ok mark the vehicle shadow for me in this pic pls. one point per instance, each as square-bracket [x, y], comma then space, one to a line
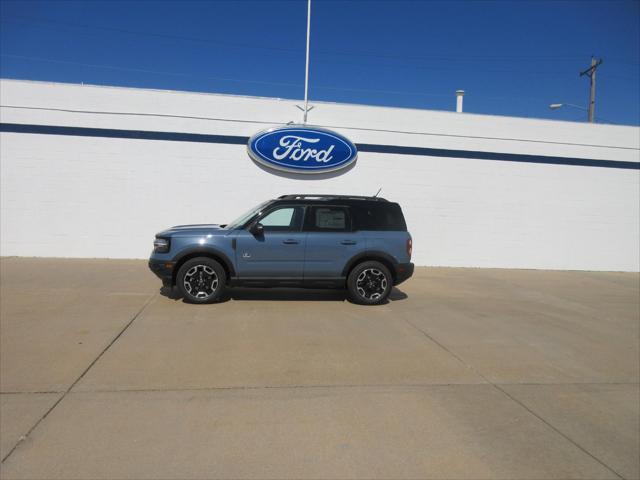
[284, 294]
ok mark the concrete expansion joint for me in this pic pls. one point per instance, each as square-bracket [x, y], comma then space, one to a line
[310, 387]
[327, 386]
[587, 452]
[32, 392]
[515, 400]
[86, 370]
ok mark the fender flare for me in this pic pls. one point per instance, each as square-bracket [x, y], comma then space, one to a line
[371, 254]
[205, 250]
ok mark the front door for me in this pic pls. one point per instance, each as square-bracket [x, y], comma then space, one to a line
[331, 243]
[276, 254]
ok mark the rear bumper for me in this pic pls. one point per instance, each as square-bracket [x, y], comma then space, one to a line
[403, 272]
[163, 270]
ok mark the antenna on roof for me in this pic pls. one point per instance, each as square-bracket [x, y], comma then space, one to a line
[379, 190]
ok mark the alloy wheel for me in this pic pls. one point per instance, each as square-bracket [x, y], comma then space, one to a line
[200, 281]
[371, 284]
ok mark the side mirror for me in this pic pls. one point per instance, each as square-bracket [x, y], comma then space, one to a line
[257, 229]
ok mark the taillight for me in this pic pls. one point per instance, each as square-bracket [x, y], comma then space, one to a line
[409, 246]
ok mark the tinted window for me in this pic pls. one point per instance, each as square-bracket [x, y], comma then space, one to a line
[282, 219]
[328, 219]
[380, 216]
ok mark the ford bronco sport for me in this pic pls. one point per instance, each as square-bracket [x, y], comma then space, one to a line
[313, 241]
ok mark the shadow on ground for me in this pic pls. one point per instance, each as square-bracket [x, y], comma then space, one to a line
[284, 294]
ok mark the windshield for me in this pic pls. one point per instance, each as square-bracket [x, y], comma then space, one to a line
[242, 219]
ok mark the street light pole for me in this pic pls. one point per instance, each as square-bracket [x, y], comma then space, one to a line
[591, 71]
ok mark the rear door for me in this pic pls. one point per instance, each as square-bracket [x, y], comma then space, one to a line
[279, 252]
[331, 242]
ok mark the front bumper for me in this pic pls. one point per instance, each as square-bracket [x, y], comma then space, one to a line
[403, 272]
[163, 270]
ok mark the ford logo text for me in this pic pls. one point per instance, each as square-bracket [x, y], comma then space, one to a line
[301, 149]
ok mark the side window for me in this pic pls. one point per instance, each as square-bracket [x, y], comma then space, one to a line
[283, 219]
[329, 219]
[380, 217]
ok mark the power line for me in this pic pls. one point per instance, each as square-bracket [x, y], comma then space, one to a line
[282, 84]
[141, 70]
[451, 68]
[206, 77]
[351, 54]
[454, 58]
[150, 34]
[377, 65]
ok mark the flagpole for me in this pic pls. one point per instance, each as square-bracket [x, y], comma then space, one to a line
[306, 76]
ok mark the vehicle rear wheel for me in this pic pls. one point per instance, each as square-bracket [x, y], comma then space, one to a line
[369, 283]
[201, 280]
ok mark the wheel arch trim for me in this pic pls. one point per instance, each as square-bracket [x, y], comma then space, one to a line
[209, 252]
[372, 255]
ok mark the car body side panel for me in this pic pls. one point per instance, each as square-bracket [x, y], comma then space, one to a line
[328, 252]
[392, 243]
[272, 255]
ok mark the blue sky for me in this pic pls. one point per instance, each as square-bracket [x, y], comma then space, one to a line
[512, 57]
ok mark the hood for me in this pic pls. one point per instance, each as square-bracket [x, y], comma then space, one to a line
[196, 229]
[197, 226]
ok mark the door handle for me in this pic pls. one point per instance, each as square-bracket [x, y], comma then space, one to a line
[348, 242]
[290, 241]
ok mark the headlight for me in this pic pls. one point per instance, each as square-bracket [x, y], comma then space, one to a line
[161, 245]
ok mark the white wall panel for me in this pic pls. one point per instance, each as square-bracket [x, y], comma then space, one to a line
[73, 196]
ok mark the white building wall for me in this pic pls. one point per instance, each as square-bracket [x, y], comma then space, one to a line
[69, 196]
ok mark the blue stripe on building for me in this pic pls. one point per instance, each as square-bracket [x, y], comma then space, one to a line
[362, 147]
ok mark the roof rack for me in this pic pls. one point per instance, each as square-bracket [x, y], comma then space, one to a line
[318, 196]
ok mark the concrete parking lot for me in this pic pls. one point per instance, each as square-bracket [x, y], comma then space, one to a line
[464, 374]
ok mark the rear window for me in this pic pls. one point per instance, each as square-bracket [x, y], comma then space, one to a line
[380, 216]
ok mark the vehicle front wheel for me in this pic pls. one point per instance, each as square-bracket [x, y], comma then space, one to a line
[369, 283]
[201, 280]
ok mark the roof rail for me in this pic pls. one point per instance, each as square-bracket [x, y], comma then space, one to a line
[319, 196]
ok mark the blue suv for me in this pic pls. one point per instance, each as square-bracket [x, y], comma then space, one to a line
[313, 241]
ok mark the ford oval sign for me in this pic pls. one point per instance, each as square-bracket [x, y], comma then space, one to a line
[301, 149]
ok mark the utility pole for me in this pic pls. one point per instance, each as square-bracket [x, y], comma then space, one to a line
[591, 71]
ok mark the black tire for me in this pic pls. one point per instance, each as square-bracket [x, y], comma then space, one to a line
[201, 280]
[369, 283]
